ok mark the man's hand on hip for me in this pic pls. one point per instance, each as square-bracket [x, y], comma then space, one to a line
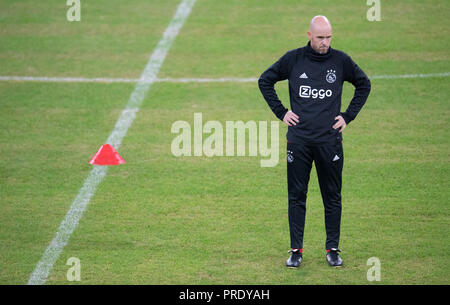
[290, 118]
[340, 123]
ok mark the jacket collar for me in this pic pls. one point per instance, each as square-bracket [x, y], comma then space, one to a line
[313, 55]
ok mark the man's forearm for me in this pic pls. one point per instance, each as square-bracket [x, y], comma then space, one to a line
[362, 90]
[268, 91]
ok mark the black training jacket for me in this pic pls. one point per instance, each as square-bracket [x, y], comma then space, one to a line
[315, 89]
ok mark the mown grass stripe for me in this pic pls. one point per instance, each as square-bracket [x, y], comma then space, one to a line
[75, 213]
[150, 80]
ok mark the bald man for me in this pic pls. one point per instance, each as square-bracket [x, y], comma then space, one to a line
[316, 73]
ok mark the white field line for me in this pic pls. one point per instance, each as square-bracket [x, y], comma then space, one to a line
[45, 79]
[145, 80]
[443, 74]
[75, 213]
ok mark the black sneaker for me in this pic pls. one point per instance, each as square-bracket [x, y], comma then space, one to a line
[295, 260]
[333, 258]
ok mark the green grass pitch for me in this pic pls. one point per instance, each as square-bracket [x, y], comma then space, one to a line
[159, 219]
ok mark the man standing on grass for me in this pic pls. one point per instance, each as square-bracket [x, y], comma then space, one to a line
[316, 74]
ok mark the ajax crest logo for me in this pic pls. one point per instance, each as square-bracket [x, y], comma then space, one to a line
[290, 157]
[331, 76]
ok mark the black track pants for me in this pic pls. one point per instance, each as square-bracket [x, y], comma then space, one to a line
[328, 160]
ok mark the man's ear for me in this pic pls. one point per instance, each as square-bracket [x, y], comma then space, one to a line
[309, 35]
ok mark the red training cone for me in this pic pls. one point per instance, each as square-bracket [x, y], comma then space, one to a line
[107, 155]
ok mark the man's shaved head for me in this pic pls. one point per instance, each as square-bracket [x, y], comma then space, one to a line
[320, 33]
[319, 21]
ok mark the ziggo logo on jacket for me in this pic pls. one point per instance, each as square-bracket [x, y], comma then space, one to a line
[308, 92]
